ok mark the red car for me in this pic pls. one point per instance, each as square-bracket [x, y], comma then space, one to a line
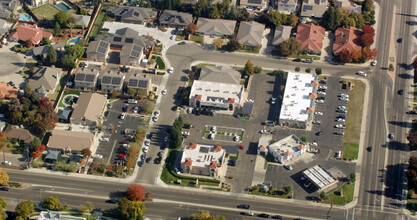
[125, 142]
[240, 147]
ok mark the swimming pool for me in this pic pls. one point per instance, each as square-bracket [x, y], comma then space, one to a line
[63, 6]
[74, 40]
[24, 17]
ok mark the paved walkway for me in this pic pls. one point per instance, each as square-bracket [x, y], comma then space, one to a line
[259, 171]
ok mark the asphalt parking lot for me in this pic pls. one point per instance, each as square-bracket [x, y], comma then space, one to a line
[226, 134]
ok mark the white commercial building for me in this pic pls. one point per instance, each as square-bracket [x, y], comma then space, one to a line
[287, 149]
[320, 177]
[298, 100]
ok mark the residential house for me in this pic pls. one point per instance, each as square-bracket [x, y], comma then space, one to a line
[4, 14]
[311, 37]
[125, 36]
[253, 4]
[70, 142]
[282, 33]
[53, 215]
[135, 15]
[11, 5]
[111, 79]
[175, 19]
[131, 55]
[30, 34]
[347, 38]
[217, 88]
[89, 109]
[314, 8]
[286, 6]
[19, 133]
[7, 92]
[250, 34]
[86, 77]
[139, 82]
[36, 3]
[287, 149]
[45, 80]
[81, 20]
[217, 27]
[348, 6]
[52, 156]
[205, 160]
[42, 51]
[98, 51]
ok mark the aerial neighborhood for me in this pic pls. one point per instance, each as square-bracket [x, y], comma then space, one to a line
[248, 98]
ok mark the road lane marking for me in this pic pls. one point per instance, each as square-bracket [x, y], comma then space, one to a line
[386, 153]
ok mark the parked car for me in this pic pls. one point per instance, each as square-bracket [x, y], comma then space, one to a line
[104, 139]
[182, 43]
[135, 109]
[400, 92]
[243, 206]
[390, 136]
[322, 87]
[373, 63]
[307, 61]
[147, 142]
[340, 133]
[317, 122]
[155, 118]
[319, 133]
[110, 105]
[240, 147]
[211, 136]
[157, 112]
[160, 153]
[339, 126]
[276, 217]
[163, 92]
[321, 93]
[412, 112]
[319, 101]
[273, 100]
[140, 163]
[176, 170]
[132, 101]
[145, 149]
[341, 116]
[148, 160]
[369, 149]
[123, 116]
[7, 163]
[360, 73]
[340, 120]
[318, 113]
[166, 138]
[170, 70]
[98, 156]
[236, 138]
[143, 156]
[213, 128]
[297, 60]
[288, 167]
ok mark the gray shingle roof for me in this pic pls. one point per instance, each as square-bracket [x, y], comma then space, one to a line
[43, 50]
[174, 18]
[221, 74]
[98, 46]
[250, 33]
[82, 20]
[131, 14]
[131, 50]
[314, 8]
[45, 78]
[123, 36]
[216, 26]
[281, 34]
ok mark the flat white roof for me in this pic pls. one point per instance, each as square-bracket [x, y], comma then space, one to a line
[320, 177]
[214, 92]
[290, 144]
[202, 155]
[296, 97]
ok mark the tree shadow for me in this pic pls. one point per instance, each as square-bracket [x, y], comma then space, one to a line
[394, 183]
[411, 22]
[405, 75]
[404, 124]
[406, 66]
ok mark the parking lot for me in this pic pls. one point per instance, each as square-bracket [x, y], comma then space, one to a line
[226, 134]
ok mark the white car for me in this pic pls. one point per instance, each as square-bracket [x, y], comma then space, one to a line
[321, 93]
[273, 100]
[135, 109]
[320, 101]
[7, 163]
[236, 138]
[123, 116]
[172, 37]
[213, 128]
[341, 107]
[360, 73]
[318, 113]
[163, 92]
[344, 95]
[265, 132]
[288, 167]
[373, 63]
[98, 156]
[157, 112]
[132, 101]
[145, 149]
[155, 119]
[344, 99]
[185, 133]
[313, 143]
[340, 120]
[170, 70]
[322, 87]
[211, 136]
[147, 142]
[248, 213]
[339, 126]
[104, 139]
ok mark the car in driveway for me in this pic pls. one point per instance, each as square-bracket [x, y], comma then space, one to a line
[243, 206]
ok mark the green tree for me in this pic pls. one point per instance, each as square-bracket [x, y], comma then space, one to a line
[257, 69]
[353, 176]
[233, 45]
[83, 11]
[4, 178]
[52, 57]
[248, 70]
[114, 94]
[68, 62]
[276, 18]
[52, 203]
[57, 28]
[232, 14]
[287, 189]
[142, 93]
[62, 18]
[331, 18]
[318, 71]
[322, 195]
[24, 209]
[75, 50]
[303, 139]
[3, 205]
[87, 208]
[292, 20]
[149, 107]
[289, 47]
[130, 209]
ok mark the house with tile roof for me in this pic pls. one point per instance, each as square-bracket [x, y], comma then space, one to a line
[174, 19]
[285, 6]
[203, 159]
[347, 38]
[250, 34]
[70, 142]
[217, 88]
[89, 109]
[348, 6]
[111, 79]
[98, 51]
[7, 92]
[125, 36]
[217, 27]
[314, 8]
[282, 33]
[287, 149]
[131, 55]
[29, 34]
[128, 14]
[311, 37]
[86, 77]
[45, 80]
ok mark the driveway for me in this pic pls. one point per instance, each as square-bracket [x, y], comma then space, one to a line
[11, 63]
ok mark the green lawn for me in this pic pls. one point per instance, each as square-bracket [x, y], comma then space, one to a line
[305, 56]
[255, 51]
[66, 93]
[98, 24]
[353, 121]
[335, 197]
[159, 62]
[47, 10]
[169, 177]
[197, 38]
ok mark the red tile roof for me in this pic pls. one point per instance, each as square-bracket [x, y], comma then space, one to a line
[262, 147]
[193, 145]
[301, 146]
[309, 109]
[287, 153]
[347, 38]
[198, 97]
[7, 91]
[30, 34]
[314, 82]
[188, 162]
[217, 148]
[213, 165]
[310, 36]
[231, 100]
[312, 95]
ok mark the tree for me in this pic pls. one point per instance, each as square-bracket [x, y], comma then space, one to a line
[141, 130]
[368, 54]
[218, 43]
[142, 93]
[318, 71]
[322, 195]
[331, 18]
[83, 11]
[412, 139]
[4, 178]
[138, 137]
[130, 209]
[353, 176]
[248, 70]
[345, 56]
[290, 46]
[52, 203]
[287, 189]
[292, 20]
[76, 50]
[24, 209]
[68, 62]
[257, 69]
[233, 45]
[276, 18]
[86, 152]
[57, 29]
[87, 208]
[367, 40]
[3, 205]
[136, 192]
[368, 3]
[303, 139]
[191, 28]
[114, 94]
[149, 107]
[62, 18]
[52, 57]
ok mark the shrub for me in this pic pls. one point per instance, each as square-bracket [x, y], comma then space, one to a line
[297, 69]
[308, 70]
[318, 71]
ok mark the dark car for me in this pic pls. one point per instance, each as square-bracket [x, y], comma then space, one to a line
[4, 189]
[399, 40]
[276, 217]
[323, 81]
[112, 201]
[150, 135]
[243, 206]
[157, 160]
[296, 60]
[412, 112]
[369, 149]
[263, 215]
[143, 156]
[148, 160]
[400, 92]
[232, 163]
[160, 153]
[391, 136]
[319, 133]
[140, 163]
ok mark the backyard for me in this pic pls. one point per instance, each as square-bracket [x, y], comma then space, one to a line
[45, 11]
[159, 62]
[65, 93]
[98, 24]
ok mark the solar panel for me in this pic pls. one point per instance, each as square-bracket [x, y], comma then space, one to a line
[307, 7]
[116, 80]
[255, 1]
[106, 79]
[133, 82]
[103, 44]
[137, 48]
[89, 78]
[101, 50]
[143, 84]
[80, 77]
[129, 40]
[134, 53]
[117, 39]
